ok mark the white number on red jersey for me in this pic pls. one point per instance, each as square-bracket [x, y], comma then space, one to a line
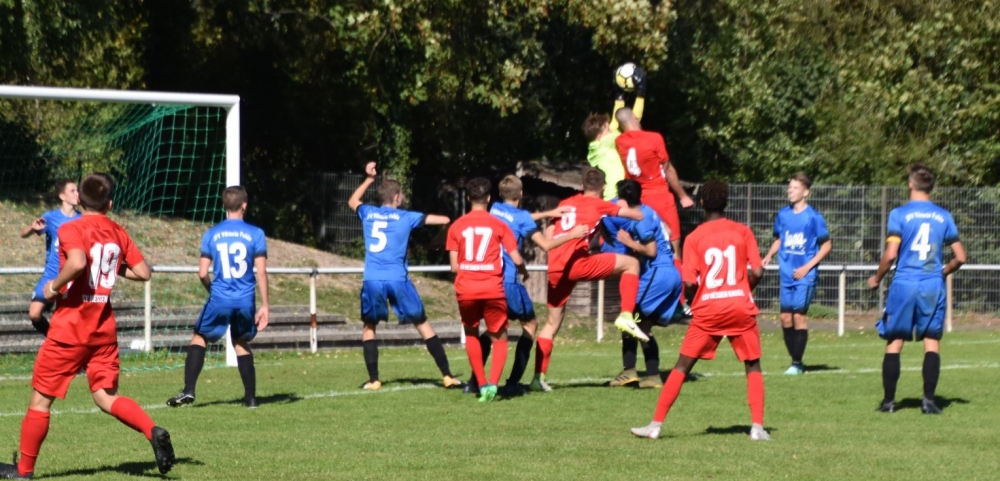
[715, 259]
[632, 163]
[922, 244]
[568, 220]
[469, 234]
[104, 265]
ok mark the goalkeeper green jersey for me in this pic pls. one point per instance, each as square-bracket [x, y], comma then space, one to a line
[602, 154]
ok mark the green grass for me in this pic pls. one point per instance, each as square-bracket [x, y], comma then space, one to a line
[316, 424]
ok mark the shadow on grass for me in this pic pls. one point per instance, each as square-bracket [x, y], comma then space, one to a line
[942, 402]
[281, 398]
[743, 429]
[143, 469]
[820, 367]
[413, 381]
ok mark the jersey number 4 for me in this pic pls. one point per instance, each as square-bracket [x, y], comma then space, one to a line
[632, 163]
[922, 244]
[239, 252]
[104, 265]
[715, 258]
[469, 234]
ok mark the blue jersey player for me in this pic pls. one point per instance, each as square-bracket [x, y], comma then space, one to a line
[233, 250]
[386, 282]
[49, 224]
[802, 241]
[519, 305]
[918, 232]
[659, 282]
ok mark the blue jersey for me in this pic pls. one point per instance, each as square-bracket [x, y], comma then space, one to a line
[648, 229]
[801, 234]
[54, 219]
[923, 228]
[523, 227]
[387, 234]
[233, 245]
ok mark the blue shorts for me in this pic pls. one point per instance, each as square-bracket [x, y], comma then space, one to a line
[214, 320]
[913, 307]
[659, 294]
[38, 295]
[519, 306]
[796, 298]
[377, 295]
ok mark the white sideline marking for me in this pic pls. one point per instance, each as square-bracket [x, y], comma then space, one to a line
[554, 382]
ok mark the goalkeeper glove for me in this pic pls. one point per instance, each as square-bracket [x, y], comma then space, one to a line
[639, 79]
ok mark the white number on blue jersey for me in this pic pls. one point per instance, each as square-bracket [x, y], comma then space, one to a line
[239, 250]
[377, 233]
[715, 259]
[922, 244]
[632, 163]
[104, 267]
[469, 234]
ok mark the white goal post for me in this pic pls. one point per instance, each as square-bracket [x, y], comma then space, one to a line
[230, 103]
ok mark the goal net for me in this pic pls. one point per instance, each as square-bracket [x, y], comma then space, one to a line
[171, 155]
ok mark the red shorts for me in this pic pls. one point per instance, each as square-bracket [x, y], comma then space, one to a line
[701, 344]
[585, 268]
[57, 364]
[663, 204]
[493, 311]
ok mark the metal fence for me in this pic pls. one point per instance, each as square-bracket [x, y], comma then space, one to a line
[856, 216]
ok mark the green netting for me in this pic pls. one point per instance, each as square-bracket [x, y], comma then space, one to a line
[169, 166]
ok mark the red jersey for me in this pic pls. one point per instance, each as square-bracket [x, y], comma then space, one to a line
[587, 210]
[716, 257]
[83, 315]
[478, 237]
[643, 154]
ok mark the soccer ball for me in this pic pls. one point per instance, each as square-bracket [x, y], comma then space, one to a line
[624, 77]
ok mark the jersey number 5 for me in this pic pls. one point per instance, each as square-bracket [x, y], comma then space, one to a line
[469, 234]
[239, 252]
[104, 265]
[379, 236]
[715, 259]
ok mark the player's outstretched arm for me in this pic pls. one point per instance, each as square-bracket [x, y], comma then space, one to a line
[434, 219]
[675, 185]
[204, 263]
[355, 201]
[630, 213]
[891, 252]
[547, 243]
[76, 263]
[771, 252]
[552, 213]
[139, 272]
[35, 227]
[957, 260]
[263, 312]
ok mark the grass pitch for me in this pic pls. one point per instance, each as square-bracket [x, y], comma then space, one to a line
[314, 422]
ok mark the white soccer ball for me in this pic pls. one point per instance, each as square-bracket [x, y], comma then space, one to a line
[624, 77]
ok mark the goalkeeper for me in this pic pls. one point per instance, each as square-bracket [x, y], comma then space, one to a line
[601, 131]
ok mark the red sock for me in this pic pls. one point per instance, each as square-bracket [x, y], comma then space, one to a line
[474, 350]
[130, 414]
[34, 428]
[668, 395]
[499, 359]
[755, 397]
[629, 289]
[542, 355]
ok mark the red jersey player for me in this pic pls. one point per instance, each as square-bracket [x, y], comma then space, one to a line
[716, 257]
[644, 155]
[94, 252]
[474, 247]
[572, 262]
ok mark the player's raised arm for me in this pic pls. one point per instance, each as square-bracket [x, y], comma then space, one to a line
[434, 219]
[552, 213]
[263, 312]
[36, 227]
[355, 201]
[630, 213]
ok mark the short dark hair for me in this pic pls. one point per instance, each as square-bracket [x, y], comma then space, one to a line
[593, 179]
[511, 188]
[96, 191]
[234, 197]
[715, 196]
[922, 178]
[802, 178]
[478, 190]
[388, 190]
[62, 183]
[630, 191]
[593, 125]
